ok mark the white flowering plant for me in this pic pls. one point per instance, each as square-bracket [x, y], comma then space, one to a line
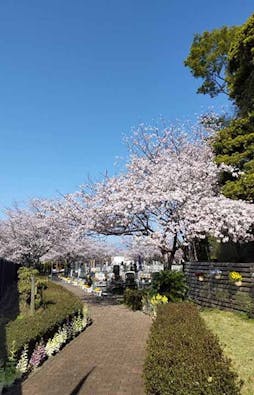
[53, 345]
[77, 324]
[23, 365]
[45, 350]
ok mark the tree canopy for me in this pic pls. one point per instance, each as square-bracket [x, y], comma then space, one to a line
[208, 59]
[234, 145]
[168, 197]
[224, 59]
[241, 67]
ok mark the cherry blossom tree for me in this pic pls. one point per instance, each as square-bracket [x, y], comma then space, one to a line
[87, 248]
[167, 198]
[27, 234]
[169, 194]
[39, 233]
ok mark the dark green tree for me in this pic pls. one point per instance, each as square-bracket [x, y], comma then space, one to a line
[224, 59]
[234, 145]
[241, 68]
[208, 59]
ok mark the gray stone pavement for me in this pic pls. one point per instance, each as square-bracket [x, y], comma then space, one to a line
[106, 359]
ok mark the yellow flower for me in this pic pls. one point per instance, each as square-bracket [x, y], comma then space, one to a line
[158, 299]
[235, 276]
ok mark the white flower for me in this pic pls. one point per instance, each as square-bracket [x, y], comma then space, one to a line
[22, 365]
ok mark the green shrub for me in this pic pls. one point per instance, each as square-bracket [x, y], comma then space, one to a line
[59, 304]
[184, 357]
[133, 298]
[171, 284]
[8, 374]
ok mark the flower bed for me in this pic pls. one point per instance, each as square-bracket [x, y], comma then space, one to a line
[60, 305]
[44, 349]
[80, 283]
[32, 339]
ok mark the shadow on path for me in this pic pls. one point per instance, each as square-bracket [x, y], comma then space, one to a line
[81, 383]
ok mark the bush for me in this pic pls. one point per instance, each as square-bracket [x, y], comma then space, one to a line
[8, 374]
[171, 284]
[60, 304]
[184, 357]
[133, 298]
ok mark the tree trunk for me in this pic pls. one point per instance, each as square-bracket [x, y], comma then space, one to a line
[167, 263]
[173, 251]
[168, 256]
[195, 255]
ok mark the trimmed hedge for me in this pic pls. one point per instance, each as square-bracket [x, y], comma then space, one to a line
[60, 305]
[184, 357]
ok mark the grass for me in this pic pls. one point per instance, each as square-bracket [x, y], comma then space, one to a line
[236, 334]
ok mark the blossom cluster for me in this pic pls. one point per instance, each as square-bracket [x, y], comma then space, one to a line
[167, 198]
[44, 231]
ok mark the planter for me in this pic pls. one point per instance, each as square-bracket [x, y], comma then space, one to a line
[216, 274]
[236, 278]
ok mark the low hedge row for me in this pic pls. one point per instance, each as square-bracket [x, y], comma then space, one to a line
[184, 357]
[60, 305]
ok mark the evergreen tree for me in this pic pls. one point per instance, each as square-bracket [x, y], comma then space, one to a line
[234, 145]
[241, 68]
[224, 59]
[208, 59]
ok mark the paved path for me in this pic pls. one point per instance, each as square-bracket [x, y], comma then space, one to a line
[107, 358]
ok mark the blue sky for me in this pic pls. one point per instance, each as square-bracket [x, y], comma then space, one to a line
[76, 75]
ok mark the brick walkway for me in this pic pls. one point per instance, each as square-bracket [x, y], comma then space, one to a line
[106, 358]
